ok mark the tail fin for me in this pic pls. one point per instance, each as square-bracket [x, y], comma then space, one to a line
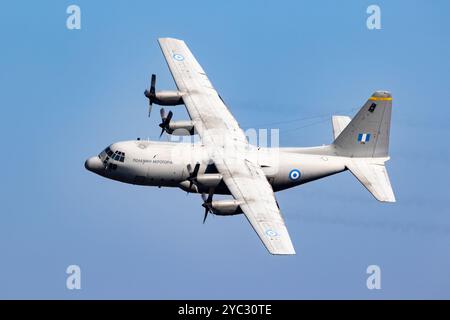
[365, 141]
[367, 134]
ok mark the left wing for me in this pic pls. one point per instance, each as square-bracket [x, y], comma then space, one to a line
[211, 118]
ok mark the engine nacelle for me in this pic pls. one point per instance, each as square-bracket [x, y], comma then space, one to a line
[225, 207]
[181, 128]
[203, 182]
[168, 98]
[210, 180]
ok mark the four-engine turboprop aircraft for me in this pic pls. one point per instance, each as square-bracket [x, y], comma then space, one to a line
[223, 162]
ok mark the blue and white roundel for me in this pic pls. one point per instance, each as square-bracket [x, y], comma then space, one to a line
[294, 175]
[178, 57]
[271, 233]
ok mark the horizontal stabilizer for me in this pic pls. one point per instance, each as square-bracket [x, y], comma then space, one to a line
[339, 124]
[374, 177]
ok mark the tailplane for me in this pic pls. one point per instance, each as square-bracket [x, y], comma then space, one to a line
[373, 175]
[339, 124]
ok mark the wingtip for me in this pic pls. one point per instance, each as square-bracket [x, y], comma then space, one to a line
[162, 39]
[285, 252]
[293, 253]
[388, 199]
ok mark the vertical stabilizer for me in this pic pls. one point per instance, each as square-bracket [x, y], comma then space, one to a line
[367, 135]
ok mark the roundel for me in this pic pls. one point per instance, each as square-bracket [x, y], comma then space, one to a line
[294, 175]
[271, 233]
[178, 57]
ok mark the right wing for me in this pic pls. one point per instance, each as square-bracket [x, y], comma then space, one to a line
[248, 184]
[226, 144]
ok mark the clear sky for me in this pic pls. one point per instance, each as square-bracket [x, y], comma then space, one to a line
[66, 94]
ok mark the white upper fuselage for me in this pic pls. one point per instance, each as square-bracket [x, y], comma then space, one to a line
[165, 164]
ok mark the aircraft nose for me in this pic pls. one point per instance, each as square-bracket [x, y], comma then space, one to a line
[94, 164]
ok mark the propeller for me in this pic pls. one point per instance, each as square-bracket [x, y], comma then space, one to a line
[150, 94]
[165, 120]
[207, 203]
[192, 174]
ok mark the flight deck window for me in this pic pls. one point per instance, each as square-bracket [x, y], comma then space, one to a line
[120, 156]
[109, 151]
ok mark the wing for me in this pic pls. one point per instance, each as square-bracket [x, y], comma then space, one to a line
[207, 110]
[248, 184]
[227, 146]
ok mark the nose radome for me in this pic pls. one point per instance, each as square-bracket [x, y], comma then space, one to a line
[94, 164]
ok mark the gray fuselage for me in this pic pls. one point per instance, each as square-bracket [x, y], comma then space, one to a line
[166, 164]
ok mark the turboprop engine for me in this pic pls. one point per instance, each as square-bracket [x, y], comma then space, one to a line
[227, 207]
[177, 128]
[209, 181]
[163, 98]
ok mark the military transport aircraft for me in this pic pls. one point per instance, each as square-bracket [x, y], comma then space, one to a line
[224, 162]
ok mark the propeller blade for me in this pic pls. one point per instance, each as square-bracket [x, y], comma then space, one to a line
[153, 84]
[192, 174]
[196, 169]
[162, 132]
[165, 121]
[210, 196]
[207, 203]
[150, 94]
[206, 214]
[168, 118]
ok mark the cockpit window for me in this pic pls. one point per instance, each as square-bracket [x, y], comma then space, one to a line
[119, 156]
[108, 154]
[109, 151]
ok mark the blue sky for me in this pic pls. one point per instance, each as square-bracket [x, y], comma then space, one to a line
[68, 94]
